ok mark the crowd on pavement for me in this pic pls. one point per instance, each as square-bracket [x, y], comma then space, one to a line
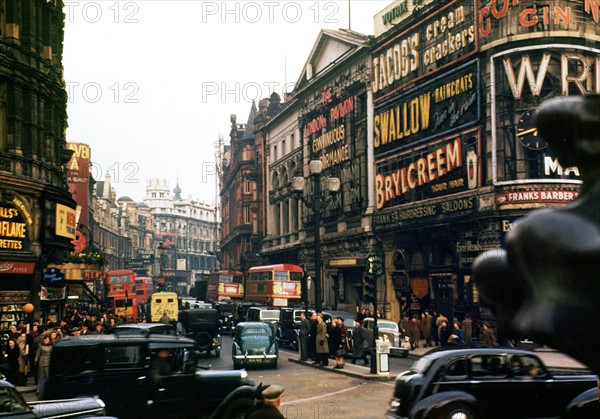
[321, 341]
[30, 345]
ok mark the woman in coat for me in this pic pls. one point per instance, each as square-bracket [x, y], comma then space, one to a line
[336, 343]
[23, 358]
[42, 360]
[12, 358]
[321, 342]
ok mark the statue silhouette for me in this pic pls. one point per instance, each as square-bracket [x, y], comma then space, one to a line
[545, 282]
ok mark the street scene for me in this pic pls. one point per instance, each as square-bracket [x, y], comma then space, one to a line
[299, 209]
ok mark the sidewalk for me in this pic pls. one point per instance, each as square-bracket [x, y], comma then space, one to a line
[552, 359]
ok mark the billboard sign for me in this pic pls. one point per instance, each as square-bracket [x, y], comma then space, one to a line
[78, 177]
[441, 39]
[445, 104]
[447, 166]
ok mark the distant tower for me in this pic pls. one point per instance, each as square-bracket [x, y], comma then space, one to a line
[177, 191]
[157, 195]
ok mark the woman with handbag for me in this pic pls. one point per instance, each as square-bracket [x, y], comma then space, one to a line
[343, 348]
[336, 343]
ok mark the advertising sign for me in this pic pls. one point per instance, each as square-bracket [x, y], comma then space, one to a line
[395, 13]
[52, 276]
[53, 293]
[14, 225]
[447, 166]
[522, 78]
[331, 133]
[65, 221]
[441, 39]
[78, 175]
[442, 105]
[16, 268]
[500, 19]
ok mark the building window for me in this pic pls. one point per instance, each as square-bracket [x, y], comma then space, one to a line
[274, 153]
[247, 215]
[3, 143]
[247, 185]
[283, 149]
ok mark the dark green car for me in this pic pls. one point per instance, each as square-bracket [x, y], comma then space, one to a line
[254, 343]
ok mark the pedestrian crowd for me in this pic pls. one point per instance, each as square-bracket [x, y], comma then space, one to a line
[432, 329]
[322, 340]
[30, 345]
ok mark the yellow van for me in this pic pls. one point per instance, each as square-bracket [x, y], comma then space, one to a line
[164, 302]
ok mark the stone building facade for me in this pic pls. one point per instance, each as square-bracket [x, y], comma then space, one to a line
[37, 214]
[186, 231]
[327, 120]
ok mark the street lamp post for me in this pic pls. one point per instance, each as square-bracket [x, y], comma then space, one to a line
[332, 185]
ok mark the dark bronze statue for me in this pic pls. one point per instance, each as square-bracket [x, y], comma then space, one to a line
[545, 283]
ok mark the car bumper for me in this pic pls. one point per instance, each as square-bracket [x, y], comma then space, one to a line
[255, 358]
[398, 351]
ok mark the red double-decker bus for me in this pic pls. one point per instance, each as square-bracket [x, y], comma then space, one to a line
[225, 285]
[274, 285]
[143, 289]
[120, 293]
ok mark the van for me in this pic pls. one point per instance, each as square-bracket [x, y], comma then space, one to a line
[161, 303]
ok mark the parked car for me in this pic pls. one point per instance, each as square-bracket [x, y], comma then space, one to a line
[288, 329]
[12, 405]
[145, 329]
[388, 330]
[484, 383]
[254, 343]
[146, 376]
[263, 314]
[203, 326]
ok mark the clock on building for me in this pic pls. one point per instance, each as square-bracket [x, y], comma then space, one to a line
[527, 132]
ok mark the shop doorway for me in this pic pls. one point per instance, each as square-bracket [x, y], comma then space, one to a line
[444, 295]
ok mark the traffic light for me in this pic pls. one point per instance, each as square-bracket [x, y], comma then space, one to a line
[369, 288]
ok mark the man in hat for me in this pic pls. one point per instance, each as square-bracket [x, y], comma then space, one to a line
[266, 401]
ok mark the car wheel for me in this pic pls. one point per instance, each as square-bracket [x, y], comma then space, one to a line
[237, 408]
[458, 411]
[295, 345]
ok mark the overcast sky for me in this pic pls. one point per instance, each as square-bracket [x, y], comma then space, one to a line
[152, 83]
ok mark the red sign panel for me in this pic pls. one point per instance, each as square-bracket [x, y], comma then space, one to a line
[16, 268]
[546, 196]
[78, 176]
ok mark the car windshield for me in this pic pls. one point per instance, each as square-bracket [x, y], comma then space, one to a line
[421, 365]
[270, 315]
[250, 331]
[387, 325]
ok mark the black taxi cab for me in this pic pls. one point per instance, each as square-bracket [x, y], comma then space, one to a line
[146, 376]
[484, 383]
